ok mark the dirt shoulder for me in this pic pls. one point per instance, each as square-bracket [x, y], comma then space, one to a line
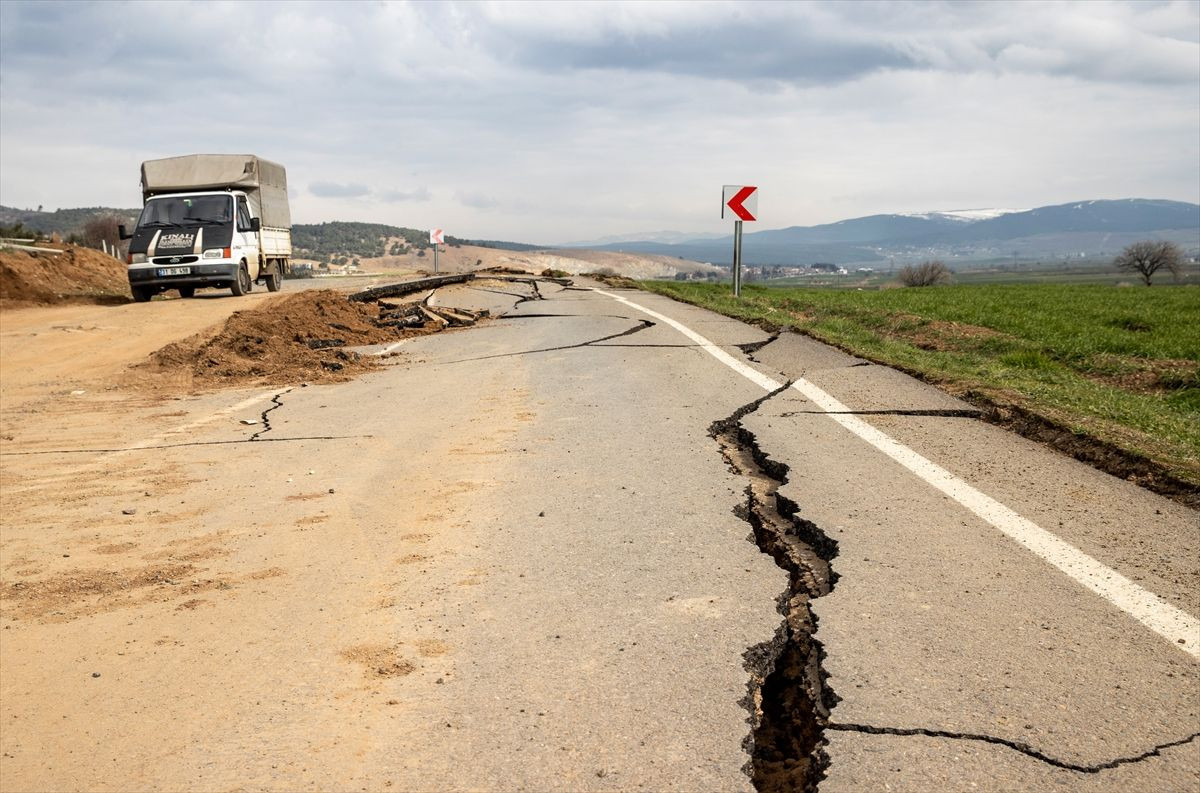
[161, 574]
[76, 275]
[49, 351]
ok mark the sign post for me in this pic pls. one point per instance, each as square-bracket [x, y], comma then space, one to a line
[436, 237]
[737, 258]
[742, 203]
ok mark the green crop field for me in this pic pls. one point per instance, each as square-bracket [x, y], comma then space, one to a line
[1121, 365]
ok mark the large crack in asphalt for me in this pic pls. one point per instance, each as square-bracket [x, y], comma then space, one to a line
[562, 316]
[1017, 746]
[787, 695]
[749, 348]
[789, 698]
[642, 324]
[518, 295]
[951, 413]
[537, 293]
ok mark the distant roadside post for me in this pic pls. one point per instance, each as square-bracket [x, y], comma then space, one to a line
[436, 237]
[742, 203]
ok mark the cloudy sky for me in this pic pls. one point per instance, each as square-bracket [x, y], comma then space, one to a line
[554, 122]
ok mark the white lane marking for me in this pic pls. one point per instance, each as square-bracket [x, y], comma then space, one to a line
[1175, 625]
[751, 374]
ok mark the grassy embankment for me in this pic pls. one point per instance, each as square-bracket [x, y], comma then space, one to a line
[1118, 366]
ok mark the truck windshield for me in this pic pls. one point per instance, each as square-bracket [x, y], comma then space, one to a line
[189, 211]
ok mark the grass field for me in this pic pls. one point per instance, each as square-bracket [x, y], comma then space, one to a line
[1091, 272]
[1121, 365]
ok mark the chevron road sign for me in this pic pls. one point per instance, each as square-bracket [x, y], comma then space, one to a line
[741, 200]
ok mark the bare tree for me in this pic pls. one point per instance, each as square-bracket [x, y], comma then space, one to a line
[1148, 257]
[102, 228]
[929, 273]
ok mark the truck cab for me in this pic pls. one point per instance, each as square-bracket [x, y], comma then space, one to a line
[188, 240]
[202, 226]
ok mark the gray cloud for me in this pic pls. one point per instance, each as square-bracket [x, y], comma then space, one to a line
[421, 194]
[574, 120]
[758, 52]
[807, 43]
[476, 200]
[335, 190]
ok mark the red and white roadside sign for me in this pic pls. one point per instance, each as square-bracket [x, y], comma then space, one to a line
[741, 200]
[437, 236]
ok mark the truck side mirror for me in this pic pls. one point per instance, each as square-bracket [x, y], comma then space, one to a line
[255, 224]
[122, 233]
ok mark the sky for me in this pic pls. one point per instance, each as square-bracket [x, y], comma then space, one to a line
[547, 122]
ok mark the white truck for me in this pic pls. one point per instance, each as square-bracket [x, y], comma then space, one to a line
[210, 220]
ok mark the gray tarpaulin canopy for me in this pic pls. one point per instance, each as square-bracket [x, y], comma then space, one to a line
[264, 182]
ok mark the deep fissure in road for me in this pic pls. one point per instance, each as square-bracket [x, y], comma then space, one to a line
[788, 699]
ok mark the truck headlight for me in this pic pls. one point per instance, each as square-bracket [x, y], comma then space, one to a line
[216, 253]
[137, 258]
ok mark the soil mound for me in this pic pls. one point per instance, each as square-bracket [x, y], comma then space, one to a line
[77, 275]
[289, 339]
[612, 279]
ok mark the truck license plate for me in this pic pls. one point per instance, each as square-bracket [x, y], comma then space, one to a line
[174, 271]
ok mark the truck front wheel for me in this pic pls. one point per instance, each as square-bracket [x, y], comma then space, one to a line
[142, 294]
[243, 284]
[274, 278]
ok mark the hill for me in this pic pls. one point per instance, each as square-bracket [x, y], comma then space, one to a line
[1084, 228]
[67, 222]
[1129, 215]
[334, 240]
[1095, 228]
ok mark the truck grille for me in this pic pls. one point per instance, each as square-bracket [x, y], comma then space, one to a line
[175, 259]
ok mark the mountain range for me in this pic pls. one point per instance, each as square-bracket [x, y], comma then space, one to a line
[1079, 229]
[1083, 228]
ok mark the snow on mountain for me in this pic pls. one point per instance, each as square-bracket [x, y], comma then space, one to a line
[963, 215]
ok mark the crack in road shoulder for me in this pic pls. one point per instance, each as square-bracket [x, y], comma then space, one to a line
[266, 422]
[188, 443]
[748, 349]
[643, 324]
[1018, 746]
[966, 413]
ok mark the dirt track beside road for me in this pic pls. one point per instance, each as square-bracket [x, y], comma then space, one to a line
[135, 585]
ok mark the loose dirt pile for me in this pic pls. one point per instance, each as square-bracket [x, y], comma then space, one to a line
[77, 275]
[613, 280]
[296, 338]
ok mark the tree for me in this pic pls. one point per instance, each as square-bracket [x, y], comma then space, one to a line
[102, 228]
[1148, 257]
[930, 273]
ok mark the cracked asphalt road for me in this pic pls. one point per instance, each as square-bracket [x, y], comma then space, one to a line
[516, 559]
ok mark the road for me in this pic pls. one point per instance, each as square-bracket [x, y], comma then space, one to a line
[604, 542]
